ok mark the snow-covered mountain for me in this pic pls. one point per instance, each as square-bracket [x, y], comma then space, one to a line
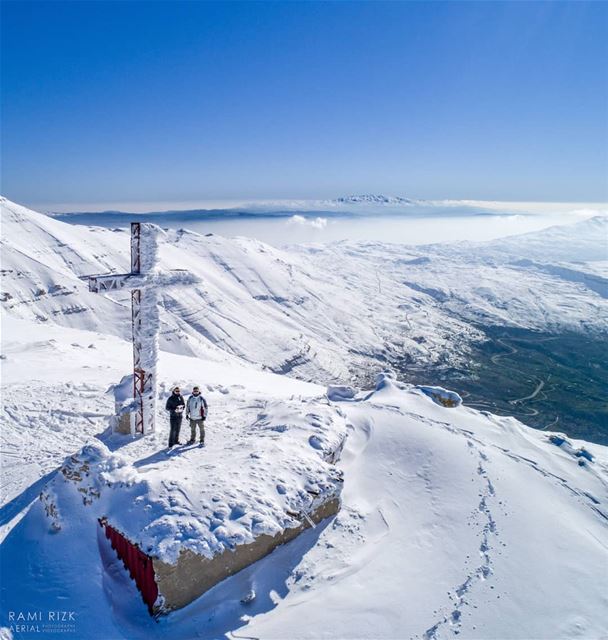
[350, 204]
[453, 522]
[371, 198]
[339, 312]
[320, 312]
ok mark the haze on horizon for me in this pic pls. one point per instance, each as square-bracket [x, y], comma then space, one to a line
[164, 103]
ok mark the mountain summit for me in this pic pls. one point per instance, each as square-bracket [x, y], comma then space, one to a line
[371, 198]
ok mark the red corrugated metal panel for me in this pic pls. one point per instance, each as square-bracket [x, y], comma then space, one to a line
[138, 564]
[137, 570]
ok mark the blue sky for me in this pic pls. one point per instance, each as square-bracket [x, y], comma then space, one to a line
[182, 101]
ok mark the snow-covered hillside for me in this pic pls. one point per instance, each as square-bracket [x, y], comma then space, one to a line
[454, 522]
[323, 312]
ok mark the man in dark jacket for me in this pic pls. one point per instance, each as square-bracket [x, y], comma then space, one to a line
[175, 406]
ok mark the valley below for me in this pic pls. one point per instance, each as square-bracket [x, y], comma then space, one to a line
[552, 382]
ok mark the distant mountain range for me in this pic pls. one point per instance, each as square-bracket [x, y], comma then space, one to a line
[345, 205]
[351, 205]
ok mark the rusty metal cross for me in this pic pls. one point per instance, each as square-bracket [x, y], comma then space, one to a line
[143, 281]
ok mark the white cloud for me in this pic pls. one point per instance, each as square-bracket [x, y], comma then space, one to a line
[315, 223]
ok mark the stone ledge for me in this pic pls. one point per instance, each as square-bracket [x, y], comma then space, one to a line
[193, 575]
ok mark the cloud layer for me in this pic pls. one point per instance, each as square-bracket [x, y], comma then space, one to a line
[315, 223]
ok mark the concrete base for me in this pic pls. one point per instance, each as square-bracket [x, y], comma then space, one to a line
[124, 423]
[192, 575]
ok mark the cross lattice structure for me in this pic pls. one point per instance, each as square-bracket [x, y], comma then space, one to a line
[144, 281]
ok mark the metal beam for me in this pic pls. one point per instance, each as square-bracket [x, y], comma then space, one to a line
[112, 282]
[136, 247]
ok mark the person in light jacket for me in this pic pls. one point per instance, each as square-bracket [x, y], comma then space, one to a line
[196, 412]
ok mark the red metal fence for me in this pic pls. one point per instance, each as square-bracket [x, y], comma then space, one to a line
[138, 564]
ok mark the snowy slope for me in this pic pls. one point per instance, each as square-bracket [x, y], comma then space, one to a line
[464, 523]
[324, 312]
[306, 322]
[41, 264]
[543, 280]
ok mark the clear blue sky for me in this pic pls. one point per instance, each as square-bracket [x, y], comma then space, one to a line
[132, 101]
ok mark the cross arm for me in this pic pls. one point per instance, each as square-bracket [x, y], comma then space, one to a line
[112, 282]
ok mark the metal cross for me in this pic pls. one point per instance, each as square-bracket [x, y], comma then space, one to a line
[143, 282]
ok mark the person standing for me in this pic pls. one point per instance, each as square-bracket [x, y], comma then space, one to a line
[196, 412]
[175, 406]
